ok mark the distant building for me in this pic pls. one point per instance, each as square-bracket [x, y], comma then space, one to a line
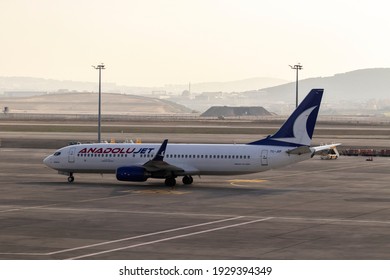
[227, 111]
[186, 94]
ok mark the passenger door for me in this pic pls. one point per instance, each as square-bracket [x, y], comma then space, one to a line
[71, 155]
[264, 157]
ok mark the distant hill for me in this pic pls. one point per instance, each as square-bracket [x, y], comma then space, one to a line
[87, 103]
[50, 85]
[357, 85]
[230, 86]
[352, 86]
[365, 91]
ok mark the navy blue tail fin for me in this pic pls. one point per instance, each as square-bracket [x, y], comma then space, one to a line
[299, 127]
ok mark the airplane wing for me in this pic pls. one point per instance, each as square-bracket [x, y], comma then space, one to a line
[157, 164]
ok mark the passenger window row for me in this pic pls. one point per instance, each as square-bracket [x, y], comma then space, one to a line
[170, 156]
[210, 156]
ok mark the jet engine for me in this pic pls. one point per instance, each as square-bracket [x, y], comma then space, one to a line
[132, 173]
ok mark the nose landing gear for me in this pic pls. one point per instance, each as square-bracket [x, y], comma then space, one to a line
[70, 178]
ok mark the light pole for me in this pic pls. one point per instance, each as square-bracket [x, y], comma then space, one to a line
[296, 67]
[99, 67]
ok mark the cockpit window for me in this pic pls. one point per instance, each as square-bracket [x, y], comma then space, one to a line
[57, 154]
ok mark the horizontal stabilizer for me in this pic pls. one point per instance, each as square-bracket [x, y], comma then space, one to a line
[306, 149]
[324, 147]
[300, 150]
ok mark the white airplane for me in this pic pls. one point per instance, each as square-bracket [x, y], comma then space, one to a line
[138, 162]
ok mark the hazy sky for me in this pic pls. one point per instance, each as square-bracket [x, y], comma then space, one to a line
[153, 43]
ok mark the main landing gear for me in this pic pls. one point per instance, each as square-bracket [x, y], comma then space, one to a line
[187, 180]
[171, 181]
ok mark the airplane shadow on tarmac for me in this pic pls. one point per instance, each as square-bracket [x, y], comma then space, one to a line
[221, 189]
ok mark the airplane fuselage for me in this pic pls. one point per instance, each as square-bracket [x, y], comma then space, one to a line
[195, 159]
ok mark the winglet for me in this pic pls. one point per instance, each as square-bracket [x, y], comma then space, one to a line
[161, 152]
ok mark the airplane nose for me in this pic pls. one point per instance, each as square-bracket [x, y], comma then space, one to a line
[47, 161]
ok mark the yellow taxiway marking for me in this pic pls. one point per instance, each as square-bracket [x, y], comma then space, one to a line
[236, 182]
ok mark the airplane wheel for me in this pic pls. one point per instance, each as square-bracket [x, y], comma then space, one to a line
[70, 179]
[187, 180]
[170, 182]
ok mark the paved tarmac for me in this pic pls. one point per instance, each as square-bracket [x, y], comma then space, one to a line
[317, 209]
